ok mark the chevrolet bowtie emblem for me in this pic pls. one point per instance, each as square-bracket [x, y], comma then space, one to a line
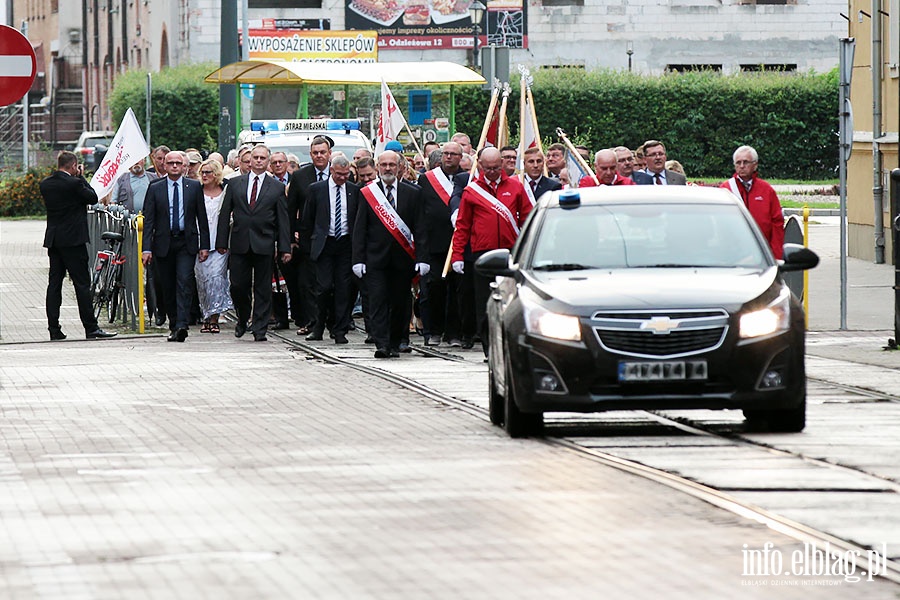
[660, 325]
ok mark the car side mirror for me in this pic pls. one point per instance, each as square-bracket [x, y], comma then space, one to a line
[798, 258]
[495, 263]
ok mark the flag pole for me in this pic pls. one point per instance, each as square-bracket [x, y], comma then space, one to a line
[520, 162]
[578, 158]
[534, 123]
[502, 139]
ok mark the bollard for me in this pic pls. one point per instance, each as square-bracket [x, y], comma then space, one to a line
[895, 240]
[139, 227]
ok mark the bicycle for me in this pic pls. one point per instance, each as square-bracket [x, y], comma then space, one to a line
[107, 287]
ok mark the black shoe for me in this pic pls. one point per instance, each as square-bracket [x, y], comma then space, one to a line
[240, 329]
[315, 336]
[404, 348]
[279, 326]
[181, 334]
[57, 334]
[340, 339]
[260, 337]
[173, 336]
[468, 344]
[160, 320]
[99, 334]
[369, 339]
[382, 353]
[394, 353]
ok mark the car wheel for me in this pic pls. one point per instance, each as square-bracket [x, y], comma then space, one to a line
[517, 423]
[495, 401]
[792, 420]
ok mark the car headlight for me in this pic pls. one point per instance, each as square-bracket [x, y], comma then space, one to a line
[771, 319]
[540, 321]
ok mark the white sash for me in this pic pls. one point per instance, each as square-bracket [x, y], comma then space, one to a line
[442, 185]
[495, 205]
[733, 186]
[528, 190]
[389, 217]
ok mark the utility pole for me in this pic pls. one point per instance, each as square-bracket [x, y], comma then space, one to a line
[228, 93]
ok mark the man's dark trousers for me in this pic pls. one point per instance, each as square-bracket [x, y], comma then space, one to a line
[176, 274]
[334, 286]
[73, 259]
[251, 275]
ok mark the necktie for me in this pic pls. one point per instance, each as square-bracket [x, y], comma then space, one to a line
[176, 209]
[493, 187]
[253, 192]
[338, 228]
[747, 184]
[658, 179]
[321, 175]
[533, 186]
[390, 197]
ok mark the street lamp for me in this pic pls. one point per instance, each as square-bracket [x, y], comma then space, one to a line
[629, 50]
[476, 12]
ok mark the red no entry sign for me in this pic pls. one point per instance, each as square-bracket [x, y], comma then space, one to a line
[18, 65]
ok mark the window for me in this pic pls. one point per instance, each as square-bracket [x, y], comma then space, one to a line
[563, 2]
[783, 68]
[689, 67]
[285, 4]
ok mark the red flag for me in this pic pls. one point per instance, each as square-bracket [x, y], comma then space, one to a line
[493, 134]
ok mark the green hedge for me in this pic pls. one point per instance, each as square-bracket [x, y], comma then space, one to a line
[702, 117]
[184, 109]
[20, 195]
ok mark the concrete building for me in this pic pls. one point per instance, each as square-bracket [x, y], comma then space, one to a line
[875, 97]
[100, 39]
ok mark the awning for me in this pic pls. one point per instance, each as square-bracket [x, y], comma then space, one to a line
[280, 72]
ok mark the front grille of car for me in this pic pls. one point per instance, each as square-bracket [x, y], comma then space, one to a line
[661, 334]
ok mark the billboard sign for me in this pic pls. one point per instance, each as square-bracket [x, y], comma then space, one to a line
[314, 46]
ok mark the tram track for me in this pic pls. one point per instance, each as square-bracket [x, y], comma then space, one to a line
[559, 435]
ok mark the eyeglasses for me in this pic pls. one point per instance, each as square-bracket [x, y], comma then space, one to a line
[206, 172]
[451, 153]
[173, 162]
[655, 155]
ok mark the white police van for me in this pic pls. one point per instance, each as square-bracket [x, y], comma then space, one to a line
[293, 136]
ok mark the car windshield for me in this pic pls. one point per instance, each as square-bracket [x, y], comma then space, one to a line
[638, 236]
[95, 141]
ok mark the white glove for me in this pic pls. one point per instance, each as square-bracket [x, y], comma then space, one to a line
[359, 269]
[459, 266]
[453, 216]
[422, 269]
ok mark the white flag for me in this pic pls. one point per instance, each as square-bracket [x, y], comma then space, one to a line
[127, 147]
[528, 137]
[391, 122]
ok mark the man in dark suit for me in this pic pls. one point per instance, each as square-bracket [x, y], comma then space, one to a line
[66, 195]
[176, 234]
[331, 207]
[254, 223]
[657, 174]
[300, 273]
[533, 180]
[389, 247]
[437, 299]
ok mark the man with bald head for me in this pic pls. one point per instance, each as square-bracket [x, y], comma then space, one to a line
[492, 209]
[605, 167]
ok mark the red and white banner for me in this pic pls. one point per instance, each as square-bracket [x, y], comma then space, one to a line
[391, 122]
[127, 147]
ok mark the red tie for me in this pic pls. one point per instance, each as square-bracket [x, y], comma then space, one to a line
[494, 188]
[253, 192]
[658, 179]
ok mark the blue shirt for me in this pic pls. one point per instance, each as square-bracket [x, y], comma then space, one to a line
[171, 186]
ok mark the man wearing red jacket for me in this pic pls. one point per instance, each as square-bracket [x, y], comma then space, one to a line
[759, 197]
[605, 165]
[492, 210]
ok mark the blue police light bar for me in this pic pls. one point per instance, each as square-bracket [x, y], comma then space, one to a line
[569, 199]
[305, 125]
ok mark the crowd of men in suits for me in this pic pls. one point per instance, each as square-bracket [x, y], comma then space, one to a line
[372, 230]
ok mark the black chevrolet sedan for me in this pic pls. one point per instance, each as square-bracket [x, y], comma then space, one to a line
[644, 297]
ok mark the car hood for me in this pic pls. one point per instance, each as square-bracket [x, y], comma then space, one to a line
[642, 289]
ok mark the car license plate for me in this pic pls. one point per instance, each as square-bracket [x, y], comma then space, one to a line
[663, 370]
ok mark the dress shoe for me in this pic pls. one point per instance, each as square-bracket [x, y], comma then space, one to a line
[181, 334]
[240, 329]
[432, 341]
[303, 330]
[340, 339]
[468, 344]
[404, 348]
[260, 337]
[173, 336]
[369, 339]
[57, 334]
[315, 336]
[280, 326]
[382, 353]
[99, 334]
[160, 320]
[394, 353]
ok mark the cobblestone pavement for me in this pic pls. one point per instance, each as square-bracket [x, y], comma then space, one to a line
[223, 468]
